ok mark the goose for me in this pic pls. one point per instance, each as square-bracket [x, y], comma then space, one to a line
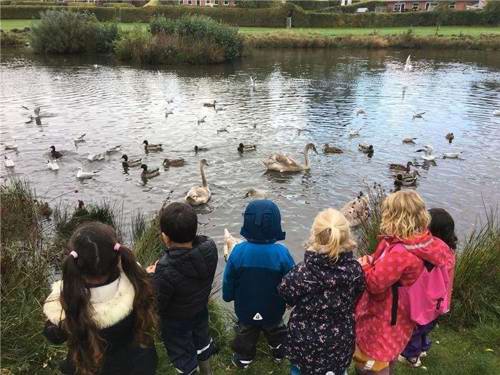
[199, 195]
[113, 150]
[356, 210]
[256, 193]
[246, 148]
[96, 157]
[147, 174]
[130, 163]
[452, 155]
[359, 111]
[152, 147]
[252, 83]
[409, 141]
[327, 149]
[418, 115]
[354, 133]
[55, 154]
[200, 149]
[282, 163]
[9, 163]
[201, 120]
[52, 165]
[408, 66]
[167, 163]
[400, 167]
[365, 148]
[11, 146]
[404, 179]
[450, 137]
[80, 139]
[229, 243]
[82, 175]
[210, 103]
[428, 153]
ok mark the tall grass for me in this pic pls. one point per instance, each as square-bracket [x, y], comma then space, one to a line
[370, 227]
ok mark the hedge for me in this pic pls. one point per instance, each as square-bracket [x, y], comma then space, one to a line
[275, 17]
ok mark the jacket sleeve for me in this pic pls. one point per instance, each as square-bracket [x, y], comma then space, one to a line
[292, 286]
[164, 289]
[228, 281]
[385, 271]
[287, 262]
[54, 333]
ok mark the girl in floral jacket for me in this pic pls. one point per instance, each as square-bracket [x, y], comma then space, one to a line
[323, 290]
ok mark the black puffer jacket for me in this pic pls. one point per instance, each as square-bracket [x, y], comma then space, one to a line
[183, 279]
[321, 326]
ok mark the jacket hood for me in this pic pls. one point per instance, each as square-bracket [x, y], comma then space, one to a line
[262, 222]
[192, 262]
[326, 268]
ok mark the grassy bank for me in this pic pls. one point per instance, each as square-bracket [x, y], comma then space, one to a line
[32, 242]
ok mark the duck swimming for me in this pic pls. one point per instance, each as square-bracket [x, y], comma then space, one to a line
[152, 147]
[405, 180]
[450, 137]
[246, 148]
[147, 174]
[200, 149]
[409, 141]
[167, 163]
[365, 148]
[452, 155]
[130, 163]
[400, 167]
[256, 194]
[199, 195]
[55, 154]
[281, 163]
[327, 149]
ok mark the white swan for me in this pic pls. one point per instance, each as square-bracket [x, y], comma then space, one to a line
[282, 163]
[229, 243]
[82, 175]
[199, 195]
[408, 66]
[428, 153]
[9, 163]
[95, 157]
[52, 165]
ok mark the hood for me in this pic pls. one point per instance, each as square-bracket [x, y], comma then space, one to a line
[195, 262]
[262, 222]
[329, 271]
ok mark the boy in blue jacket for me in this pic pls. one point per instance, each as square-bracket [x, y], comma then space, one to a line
[253, 272]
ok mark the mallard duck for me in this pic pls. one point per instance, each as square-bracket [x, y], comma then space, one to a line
[356, 210]
[229, 243]
[255, 193]
[9, 163]
[365, 148]
[400, 167]
[147, 174]
[327, 149]
[408, 66]
[55, 154]
[82, 175]
[11, 146]
[52, 165]
[80, 139]
[130, 163]
[96, 157]
[152, 147]
[200, 149]
[282, 163]
[199, 195]
[167, 163]
[428, 153]
[450, 137]
[246, 148]
[452, 155]
[409, 141]
[405, 179]
[113, 150]
[418, 115]
[210, 103]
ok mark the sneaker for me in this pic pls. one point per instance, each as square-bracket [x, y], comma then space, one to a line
[423, 354]
[240, 363]
[412, 362]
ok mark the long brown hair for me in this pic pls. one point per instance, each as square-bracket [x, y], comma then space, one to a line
[94, 244]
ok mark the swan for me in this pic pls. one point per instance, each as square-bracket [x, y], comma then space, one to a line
[282, 163]
[229, 243]
[256, 193]
[95, 157]
[152, 147]
[199, 195]
[147, 174]
[130, 163]
[52, 165]
[450, 137]
[9, 163]
[82, 175]
[55, 154]
[327, 149]
[167, 163]
[428, 153]
[356, 210]
[408, 66]
[246, 148]
[409, 141]
[11, 146]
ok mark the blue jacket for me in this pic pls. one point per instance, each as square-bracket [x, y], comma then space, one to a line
[252, 275]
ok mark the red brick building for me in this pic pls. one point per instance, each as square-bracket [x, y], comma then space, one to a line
[427, 5]
[208, 3]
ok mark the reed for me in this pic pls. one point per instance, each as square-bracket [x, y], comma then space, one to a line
[370, 227]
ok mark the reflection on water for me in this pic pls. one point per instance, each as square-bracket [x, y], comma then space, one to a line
[300, 97]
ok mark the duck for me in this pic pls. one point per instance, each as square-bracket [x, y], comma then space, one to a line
[80, 139]
[10, 146]
[400, 167]
[82, 175]
[409, 141]
[44, 209]
[359, 111]
[365, 148]
[354, 133]
[55, 154]
[450, 137]
[9, 163]
[210, 103]
[256, 193]
[113, 150]
[167, 163]
[246, 148]
[199, 195]
[96, 157]
[418, 115]
[327, 149]
[152, 147]
[200, 149]
[357, 210]
[428, 153]
[281, 163]
[52, 165]
[452, 155]
[404, 180]
[229, 243]
[408, 66]
[147, 174]
[130, 163]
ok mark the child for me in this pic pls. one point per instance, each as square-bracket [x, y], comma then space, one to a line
[183, 279]
[323, 289]
[442, 226]
[253, 272]
[103, 307]
[383, 325]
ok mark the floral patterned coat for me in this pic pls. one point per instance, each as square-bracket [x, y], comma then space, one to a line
[321, 327]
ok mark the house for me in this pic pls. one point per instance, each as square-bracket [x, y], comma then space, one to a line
[208, 3]
[427, 5]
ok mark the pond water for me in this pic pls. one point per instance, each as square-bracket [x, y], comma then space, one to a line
[315, 91]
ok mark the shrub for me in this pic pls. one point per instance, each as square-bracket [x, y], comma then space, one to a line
[105, 36]
[11, 39]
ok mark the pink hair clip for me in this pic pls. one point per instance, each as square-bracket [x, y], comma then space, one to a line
[74, 254]
[117, 247]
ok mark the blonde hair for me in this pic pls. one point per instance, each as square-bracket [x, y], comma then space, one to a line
[331, 234]
[404, 214]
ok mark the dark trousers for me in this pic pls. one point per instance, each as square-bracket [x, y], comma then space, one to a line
[247, 336]
[187, 341]
[419, 341]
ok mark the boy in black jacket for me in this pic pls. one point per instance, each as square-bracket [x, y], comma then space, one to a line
[183, 279]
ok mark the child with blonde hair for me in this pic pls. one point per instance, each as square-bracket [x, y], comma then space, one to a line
[323, 291]
[383, 322]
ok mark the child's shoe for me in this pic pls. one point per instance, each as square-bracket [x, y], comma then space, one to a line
[278, 353]
[240, 363]
[412, 362]
[423, 354]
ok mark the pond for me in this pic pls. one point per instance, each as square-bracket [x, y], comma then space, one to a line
[315, 91]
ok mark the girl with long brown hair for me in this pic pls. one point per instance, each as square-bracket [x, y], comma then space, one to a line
[104, 307]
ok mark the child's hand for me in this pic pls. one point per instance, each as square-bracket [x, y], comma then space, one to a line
[364, 260]
[152, 268]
